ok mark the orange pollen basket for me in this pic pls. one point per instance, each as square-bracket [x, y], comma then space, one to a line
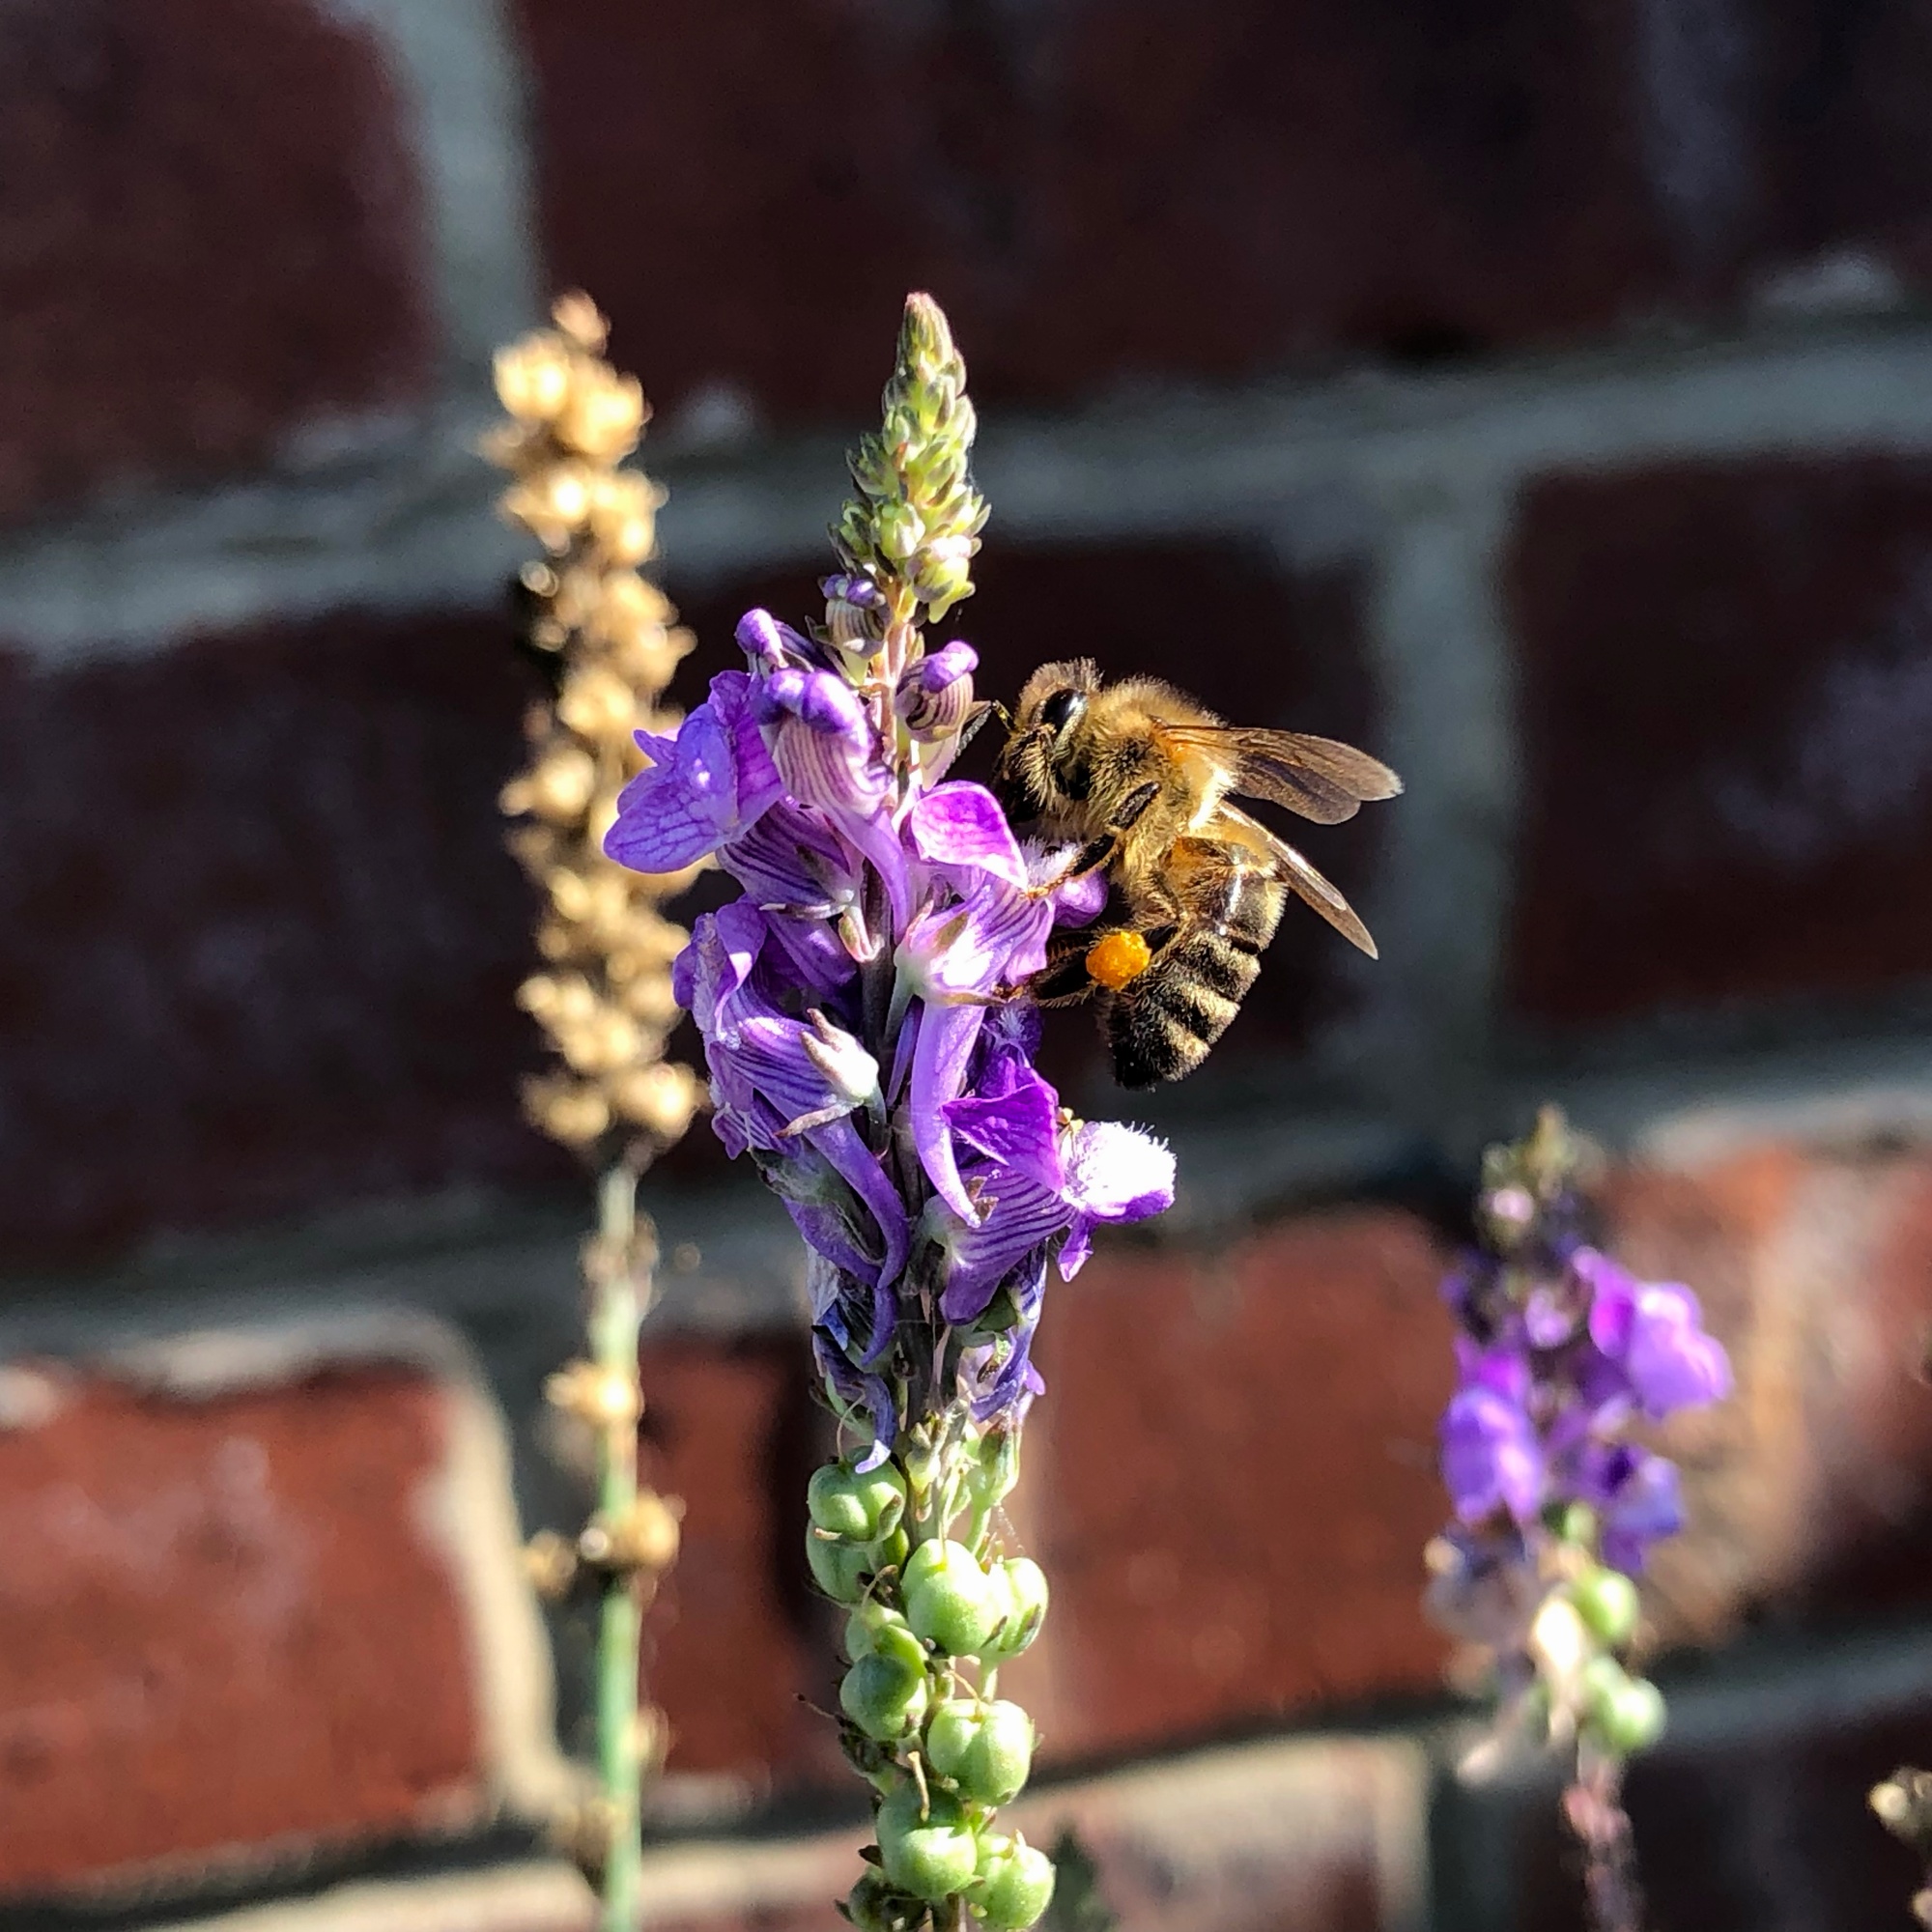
[1117, 959]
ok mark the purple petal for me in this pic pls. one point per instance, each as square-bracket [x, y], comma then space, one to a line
[818, 963]
[961, 824]
[705, 785]
[822, 741]
[1613, 1293]
[1491, 1458]
[775, 647]
[831, 1246]
[792, 857]
[1018, 1125]
[855, 1163]
[1645, 1509]
[946, 1037]
[1671, 1362]
[1500, 1371]
[1116, 1173]
[1023, 1218]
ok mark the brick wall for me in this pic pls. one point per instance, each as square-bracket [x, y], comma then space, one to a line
[1542, 397]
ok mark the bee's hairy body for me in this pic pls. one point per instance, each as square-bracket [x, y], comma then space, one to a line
[1141, 775]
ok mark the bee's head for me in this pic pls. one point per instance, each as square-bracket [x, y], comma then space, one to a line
[1037, 768]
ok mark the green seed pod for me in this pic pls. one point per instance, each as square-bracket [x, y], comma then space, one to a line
[860, 1507]
[832, 1500]
[1632, 1719]
[950, 1734]
[1606, 1600]
[1000, 1756]
[875, 1905]
[874, 1627]
[1604, 1680]
[840, 1569]
[1020, 1594]
[884, 1697]
[890, 1551]
[1015, 1890]
[933, 1857]
[986, 1749]
[949, 1599]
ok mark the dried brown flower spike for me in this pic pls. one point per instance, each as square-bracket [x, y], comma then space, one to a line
[606, 1001]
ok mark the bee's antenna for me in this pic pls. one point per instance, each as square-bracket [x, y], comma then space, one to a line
[987, 707]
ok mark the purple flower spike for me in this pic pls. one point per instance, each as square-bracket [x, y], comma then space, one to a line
[860, 999]
[1561, 1351]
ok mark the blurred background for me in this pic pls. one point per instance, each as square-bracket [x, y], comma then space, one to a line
[1539, 394]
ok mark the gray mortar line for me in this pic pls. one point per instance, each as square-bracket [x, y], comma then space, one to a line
[371, 525]
[459, 69]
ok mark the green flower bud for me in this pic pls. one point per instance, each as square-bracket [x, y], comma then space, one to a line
[838, 1568]
[1606, 1600]
[1020, 1594]
[874, 1628]
[1603, 1679]
[933, 1857]
[1631, 1718]
[949, 1599]
[1574, 1523]
[986, 1750]
[884, 1696]
[995, 1467]
[859, 1507]
[1015, 1890]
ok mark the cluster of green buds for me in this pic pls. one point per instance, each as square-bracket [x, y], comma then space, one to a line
[916, 523]
[907, 1547]
[1580, 1642]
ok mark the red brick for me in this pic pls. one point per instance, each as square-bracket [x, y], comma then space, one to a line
[1723, 695]
[1098, 194]
[737, 1638]
[1809, 1492]
[259, 940]
[1108, 191]
[1231, 1480]
[1259, 643]
[226, 1631]
[210, 234]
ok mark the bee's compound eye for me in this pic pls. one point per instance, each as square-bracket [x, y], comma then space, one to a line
[1062, 709]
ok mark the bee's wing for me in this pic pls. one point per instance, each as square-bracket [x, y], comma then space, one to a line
[1318, 779]
[1302, 878]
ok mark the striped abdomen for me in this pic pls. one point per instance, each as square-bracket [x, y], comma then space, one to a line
[1162, 1026]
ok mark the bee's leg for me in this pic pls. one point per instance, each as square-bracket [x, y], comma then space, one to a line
[1063, 981]
[1101, 852]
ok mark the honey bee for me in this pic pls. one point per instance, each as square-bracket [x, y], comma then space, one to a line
[1142, 779]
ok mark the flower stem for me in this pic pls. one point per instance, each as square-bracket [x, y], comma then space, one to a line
[616, 1312]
